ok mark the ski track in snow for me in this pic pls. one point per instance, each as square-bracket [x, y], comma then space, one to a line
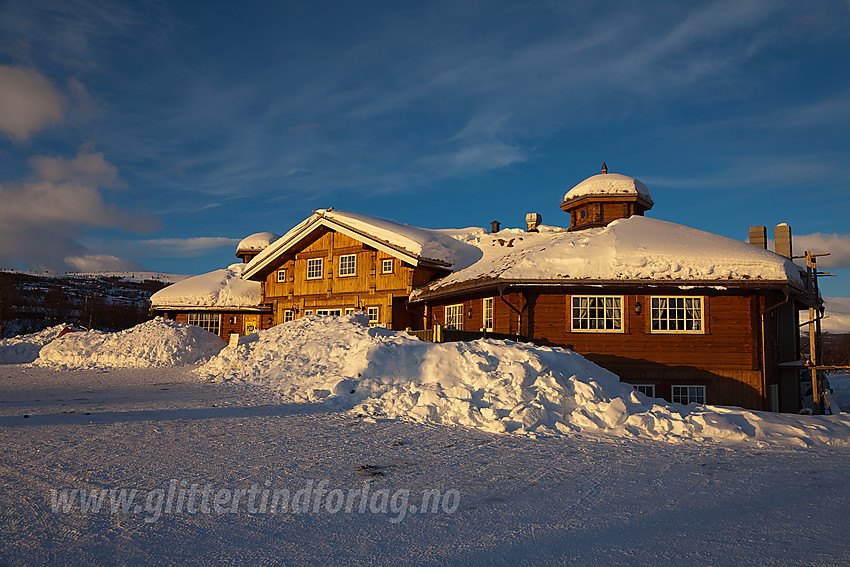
[575, 499]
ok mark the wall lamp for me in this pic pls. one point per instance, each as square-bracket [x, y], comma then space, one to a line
[637, 307]
[469, 312]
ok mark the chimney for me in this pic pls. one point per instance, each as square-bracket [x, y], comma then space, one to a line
[494, 226]
[758, 236]
[533, 220]
[782, 240]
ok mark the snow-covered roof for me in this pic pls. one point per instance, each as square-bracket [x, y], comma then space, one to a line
[256, 242]
[609, 184]
[221, 289]
[410, 243]
[633, 249]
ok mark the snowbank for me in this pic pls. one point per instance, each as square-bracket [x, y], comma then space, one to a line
[24, 349]
[158, 342]
[496, 386]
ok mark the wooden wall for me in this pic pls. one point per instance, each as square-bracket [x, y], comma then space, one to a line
[369, 287]
[726, 358]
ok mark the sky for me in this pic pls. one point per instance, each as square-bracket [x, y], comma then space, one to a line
[156, 135]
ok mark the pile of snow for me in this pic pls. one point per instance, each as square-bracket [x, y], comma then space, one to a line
[158, 342]
[218, 289]
[497, 386]
[24, 349]
[636, 248]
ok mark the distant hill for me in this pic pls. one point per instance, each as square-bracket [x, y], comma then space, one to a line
[110, 301]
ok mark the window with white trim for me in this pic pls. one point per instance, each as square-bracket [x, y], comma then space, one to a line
[308, 312]
[207, 321]
[288, 316]
[348, 265]
[688, 394]
[374, 314]
[676, 315]
[281, 276]
[454, 316]
[487, 317]
[314, 268]
[333, 312]
[597, 313]
[645, 389]
[387, 266]
[349, 310]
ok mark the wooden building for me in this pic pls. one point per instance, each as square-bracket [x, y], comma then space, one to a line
[680, 313]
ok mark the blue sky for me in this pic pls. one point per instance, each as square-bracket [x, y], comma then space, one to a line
[158, 134]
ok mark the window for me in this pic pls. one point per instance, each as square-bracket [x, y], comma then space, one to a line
[334, 312]
[677, 315]
[348, 265]
[387, 266]
[288, 316]
[645, 389]
[374, 316]
[281, 276]
[487, 319]
[454, 316]
[688, 394]
[349, 310]
[308, 312]
[314, 268]
[600, 314]
[207, 321]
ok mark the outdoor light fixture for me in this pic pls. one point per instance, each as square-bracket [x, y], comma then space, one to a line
[271, 320]
[637, 307]
[469, 313]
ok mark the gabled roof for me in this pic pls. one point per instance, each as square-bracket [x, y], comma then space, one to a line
[215, 291]
[634, 250]
[414, 245]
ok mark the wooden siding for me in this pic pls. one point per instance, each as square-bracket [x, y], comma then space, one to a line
[726, 357]
[368, 287]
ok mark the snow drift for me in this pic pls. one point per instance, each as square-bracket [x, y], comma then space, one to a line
[158, 342]
[24, 349]
[497, 386]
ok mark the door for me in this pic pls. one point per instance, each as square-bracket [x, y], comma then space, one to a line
[251, 323]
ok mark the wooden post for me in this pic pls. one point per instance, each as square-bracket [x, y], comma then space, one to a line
[811, 269]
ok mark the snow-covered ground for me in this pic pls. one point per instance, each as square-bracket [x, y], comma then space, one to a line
[591, 479]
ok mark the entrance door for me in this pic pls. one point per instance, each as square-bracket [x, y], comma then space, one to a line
[251, 323]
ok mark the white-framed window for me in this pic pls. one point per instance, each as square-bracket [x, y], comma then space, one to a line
[281, 276]
[597, 313]
[677, 315]
[387, 266]
[374, 314]
[688, 394]
[334, 312]
[314, 268]
[349, 310]
[454, 316]
[288, 316]
[487, 318]
[207, 321]
[348, 265]
[308, 312]
[645, 389]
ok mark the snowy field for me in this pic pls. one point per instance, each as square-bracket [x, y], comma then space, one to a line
[542, 494]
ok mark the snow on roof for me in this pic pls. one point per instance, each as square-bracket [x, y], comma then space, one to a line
[219, 289]
[411, 243]
[609, 184]
[256, 242]
[638, 248]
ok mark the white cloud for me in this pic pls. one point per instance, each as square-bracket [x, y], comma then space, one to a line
[42, 217]
[28, 102]
[838, 246]
[101, 263]
[163, 247]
